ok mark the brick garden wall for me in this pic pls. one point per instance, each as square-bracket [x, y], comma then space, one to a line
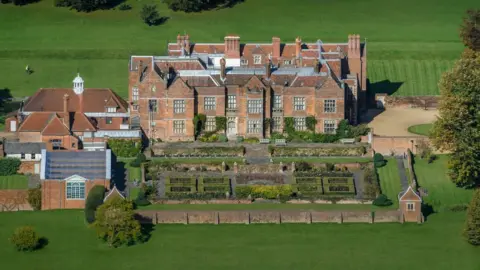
[14, 200]
[258, 217]
[398, 145]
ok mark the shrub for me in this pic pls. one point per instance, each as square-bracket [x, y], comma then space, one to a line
[124, 7]
[141, 199]
[125, 148]
[5, 1]
[472, 224]
[85, 5]
[431, 158]
[239, 139]
[150, 191]
[303, 166]
[199, 123]
[222, 138]
[370, 183]
[94, 200]
[195, 196]
[316, 151]
[310, 122]
[276, 136]
[9, 166]
[34, 198]
[139, 159]
[115, 223]
[458, 208]
[378, 160]
[25, 239]
[382, 200]
[424, 150]
[251, 140]
[330, 167]
[220, 123]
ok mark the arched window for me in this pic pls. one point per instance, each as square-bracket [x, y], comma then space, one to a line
[75, 190]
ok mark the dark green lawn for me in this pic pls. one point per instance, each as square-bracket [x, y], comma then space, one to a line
[390, 180]
[437, 244]
[14, 182]
[423, 129]
[57, 42]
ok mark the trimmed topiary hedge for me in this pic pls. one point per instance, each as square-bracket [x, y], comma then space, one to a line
[9, 166]
[94, 200]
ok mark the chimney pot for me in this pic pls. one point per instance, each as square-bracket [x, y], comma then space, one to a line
[298, 47]
[66, 113]
[223, 69]
[276, 47]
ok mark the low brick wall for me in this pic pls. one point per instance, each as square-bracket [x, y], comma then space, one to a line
[14, 200]
[386, 145]
[258, 217]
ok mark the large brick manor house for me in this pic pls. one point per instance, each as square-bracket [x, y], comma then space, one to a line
[247, 83]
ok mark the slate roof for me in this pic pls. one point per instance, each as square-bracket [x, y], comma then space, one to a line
[59, 165]
[20, 147]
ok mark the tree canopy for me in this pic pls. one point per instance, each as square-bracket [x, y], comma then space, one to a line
[457, 128]
[472, 224]
[470, 29]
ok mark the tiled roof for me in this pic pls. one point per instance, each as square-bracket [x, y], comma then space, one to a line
[55, 127]
[44, 121]
[36, 121]
[79, 122]
[51, 100]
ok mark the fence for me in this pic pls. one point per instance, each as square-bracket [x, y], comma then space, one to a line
[275, 217]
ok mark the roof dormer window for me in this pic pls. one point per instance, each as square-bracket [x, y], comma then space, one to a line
[257, 59]
[111, 109]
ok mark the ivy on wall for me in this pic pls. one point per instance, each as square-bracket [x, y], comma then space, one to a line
[311, 122]
[220, 123]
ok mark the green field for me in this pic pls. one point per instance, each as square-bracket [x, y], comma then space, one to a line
[441, 191]
[390, 180]
[323, 160]
[423, 129]
[14, 182]
[57, 42]
[437, 244]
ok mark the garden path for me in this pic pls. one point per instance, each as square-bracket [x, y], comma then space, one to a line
[402, 172]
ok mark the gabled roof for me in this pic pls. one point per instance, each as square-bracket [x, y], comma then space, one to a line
[79, 122]
[111, 103]
[36, 121]
[94, 100]
[55, 127]
[409, 195]
[114, 192]
[19, 147]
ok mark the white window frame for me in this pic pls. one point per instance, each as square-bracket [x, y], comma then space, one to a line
[210, 124]
[277, 123]
[329, 122]
[231, 101]
[135, 107]
[75, 194]
[209, 103]
[111, 109]
[254, 106]
[134, 93]
[412, 204]
[179, 106]
[300, 123]
[254, 126]
[329, 106]
[287, 62]
[299, 103]
[277, 102]
[179, 126]
[257, 59]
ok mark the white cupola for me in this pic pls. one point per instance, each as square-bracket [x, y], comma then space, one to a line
[78, 85]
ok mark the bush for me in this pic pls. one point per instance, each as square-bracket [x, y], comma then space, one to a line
[94, 200]
[276, 136]
[251, 140]
[316, 151]
[141, 199]
[149, 14]
[330, 167]
[382, 200]
[124, 7]
[9, 166]
[458, 208]
[431, 158]
[149, 191]
[303, 166]
[239, 139]
[5, 1]
[370, 183]
[472, 224]
[195, 195]
[141, 158]
[125, 148]
[25, 239]
[85, 5]
[34, 198]
[115, 223]
[378, 160]
[222, 138]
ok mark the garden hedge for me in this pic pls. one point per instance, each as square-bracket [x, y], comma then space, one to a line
[125, 147]
[265, 192]
[218, 151]
[9, 166]
[282, 151]
[94, 200]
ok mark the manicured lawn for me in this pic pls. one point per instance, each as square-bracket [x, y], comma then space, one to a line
[437, 244]
[14, 182]
[390, 180]
[441, 191]
[324, 160]
[423, 129]
[260, 206]
[133, 193]
[58, 42]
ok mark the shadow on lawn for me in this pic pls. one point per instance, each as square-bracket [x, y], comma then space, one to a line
[427, 210]
[119, 174]
[147, 230]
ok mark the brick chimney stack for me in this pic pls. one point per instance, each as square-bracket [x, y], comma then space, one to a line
[184, 42]
[66, 113]
[298, 47]
[354, 46]
[140, 70]
[275, 47]
[316, 66]
[268, 69]
[232, 46]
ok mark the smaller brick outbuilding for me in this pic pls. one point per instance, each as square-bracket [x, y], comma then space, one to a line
[411, 205]
[68, 176]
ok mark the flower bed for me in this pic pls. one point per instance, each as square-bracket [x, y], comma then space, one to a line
[272, 178]
[278, 151]
[237, 151]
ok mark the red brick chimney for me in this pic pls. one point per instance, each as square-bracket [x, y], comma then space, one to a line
[268, 69]
[354, 46]
[275, 47]
[298, 47]
[232, 46]
[184, 42]
[66, 113]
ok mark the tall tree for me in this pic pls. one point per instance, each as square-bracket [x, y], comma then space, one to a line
[472, 224]
[470, 29]
[457, 128]
[115, 223]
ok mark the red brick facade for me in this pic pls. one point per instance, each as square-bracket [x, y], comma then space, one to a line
[54, 194]
[247, 84]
